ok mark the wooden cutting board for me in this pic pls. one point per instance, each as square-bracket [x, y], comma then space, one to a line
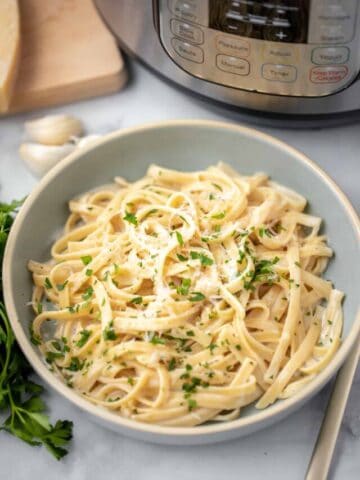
[67, 54]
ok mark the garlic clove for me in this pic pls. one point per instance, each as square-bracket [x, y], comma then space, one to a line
[41, 158]
[54, 129]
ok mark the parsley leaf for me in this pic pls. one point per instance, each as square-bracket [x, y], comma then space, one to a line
[191, 404]
[263, 273]
[19, 396]
[136, 300]
[75, 365]
[155, 340]
[183, 288]
[218, 216]
[86, 259]
[179, 238]
[196, 297]
[172, 364]
[109, 332]
[131, 218]
[88, 293]
[84, 337]
[204, 259]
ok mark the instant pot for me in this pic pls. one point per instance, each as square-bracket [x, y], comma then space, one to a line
[293, 57]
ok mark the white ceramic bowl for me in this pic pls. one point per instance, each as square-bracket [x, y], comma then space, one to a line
[184, 145]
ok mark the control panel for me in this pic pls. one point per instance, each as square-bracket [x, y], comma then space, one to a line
[283, 47]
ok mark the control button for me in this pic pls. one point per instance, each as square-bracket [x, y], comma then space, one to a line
[280, 53]
[187, 32]
[330, 55]
[332, 21]
[328, 74]
[233, 46]
[190, 10]
[188, 51]
[279, 73]
[333, 33]
[235, 65]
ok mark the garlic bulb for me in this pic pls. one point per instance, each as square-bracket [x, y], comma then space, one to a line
[54, 129]
[40, 158]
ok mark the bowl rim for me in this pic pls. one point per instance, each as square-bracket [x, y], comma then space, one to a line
[278, 409]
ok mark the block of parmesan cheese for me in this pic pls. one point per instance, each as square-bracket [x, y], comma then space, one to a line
[9, 49]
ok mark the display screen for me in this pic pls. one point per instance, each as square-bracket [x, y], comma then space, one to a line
[276, 21]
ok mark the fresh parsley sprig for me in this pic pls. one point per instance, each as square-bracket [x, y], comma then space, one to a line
[20, 396]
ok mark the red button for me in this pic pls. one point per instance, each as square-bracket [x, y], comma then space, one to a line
[331, 74]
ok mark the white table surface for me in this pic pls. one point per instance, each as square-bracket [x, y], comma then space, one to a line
[279, 452]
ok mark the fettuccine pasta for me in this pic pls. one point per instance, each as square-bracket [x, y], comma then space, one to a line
[183, 297]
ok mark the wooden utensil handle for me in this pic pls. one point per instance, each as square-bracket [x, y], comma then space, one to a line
[325, 445]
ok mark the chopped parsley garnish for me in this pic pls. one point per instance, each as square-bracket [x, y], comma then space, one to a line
[136, 300]
[263, 273]
[172, 364]
[196, 297]
[204, 259]
[264, 231]
[190, 387]
[156, 340]
[183, 288]
[213, 315]
[190, 333]
[212, 347]
[47, 283]
[35, 339]
[131, 381]
[109, 332]
[88, 293]
[86, 259]
[217, 186]
[218, 216]
[131, 218]
[88, 272]
[298, 264]
[61, 345]
[62, 286]
[39, 307]
[84, 337]
[181, 257]
[179, 238]
[51, 356]
[75, 365]
[191, 404]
